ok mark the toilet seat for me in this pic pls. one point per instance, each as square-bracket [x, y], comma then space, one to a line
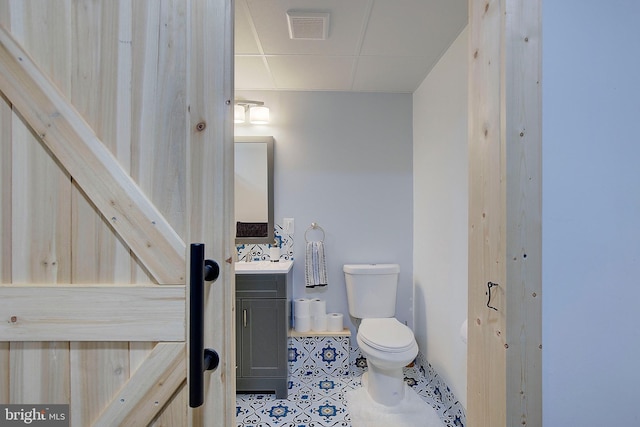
[386, 334]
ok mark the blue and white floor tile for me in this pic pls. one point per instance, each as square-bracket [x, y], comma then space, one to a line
[319, 401]
[319, 356]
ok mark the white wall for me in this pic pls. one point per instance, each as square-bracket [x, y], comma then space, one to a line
[440, 247]
[343, 160]
[591, 213]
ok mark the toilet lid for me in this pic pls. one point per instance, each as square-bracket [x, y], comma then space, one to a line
[386, 334]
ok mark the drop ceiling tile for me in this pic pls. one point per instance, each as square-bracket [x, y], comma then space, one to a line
[300, 72]
[390, 74]
[245, 42]
[345, 26]
[427, 30]
[252, 73]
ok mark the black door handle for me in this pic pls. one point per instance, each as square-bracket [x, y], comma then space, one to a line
[200, 359]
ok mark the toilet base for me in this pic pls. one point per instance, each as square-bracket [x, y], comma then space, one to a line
[385, 386]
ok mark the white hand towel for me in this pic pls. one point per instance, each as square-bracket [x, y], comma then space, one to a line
[315, 269]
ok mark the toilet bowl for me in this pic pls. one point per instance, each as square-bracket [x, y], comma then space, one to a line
[388, 346]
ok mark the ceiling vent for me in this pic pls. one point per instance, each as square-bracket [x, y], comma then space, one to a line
[308, 25]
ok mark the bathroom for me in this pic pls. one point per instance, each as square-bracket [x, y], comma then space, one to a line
[591, 205]
[345, 160]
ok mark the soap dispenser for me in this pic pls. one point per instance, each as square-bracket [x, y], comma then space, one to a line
[274, 252]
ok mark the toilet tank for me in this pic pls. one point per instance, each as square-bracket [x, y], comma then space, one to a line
[371, 289]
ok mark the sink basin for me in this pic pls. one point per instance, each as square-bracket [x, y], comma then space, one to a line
[262, 267]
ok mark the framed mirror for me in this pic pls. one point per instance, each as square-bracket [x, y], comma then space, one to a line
[254, 189]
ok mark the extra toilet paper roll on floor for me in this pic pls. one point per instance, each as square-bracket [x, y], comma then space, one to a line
[319, 323]
[335, 322]
[302, 307]
[302, 323]
[318, 307]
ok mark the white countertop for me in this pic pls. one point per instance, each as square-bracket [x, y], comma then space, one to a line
[263, 267]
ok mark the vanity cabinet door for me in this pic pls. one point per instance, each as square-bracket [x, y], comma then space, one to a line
[262, 320]
[264, 340]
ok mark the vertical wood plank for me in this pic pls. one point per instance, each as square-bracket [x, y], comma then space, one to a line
[40, 212]
[99, 371]
[39, 372]
[41, 190]
[210, 189]
[504, 362]
[159, 108]
[146, 16]
[486, 395]
[98, 255]
[40, 215]
[523, 44]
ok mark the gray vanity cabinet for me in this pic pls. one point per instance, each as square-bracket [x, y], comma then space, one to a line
[262, 324]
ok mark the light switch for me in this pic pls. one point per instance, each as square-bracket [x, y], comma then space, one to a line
[287, 225]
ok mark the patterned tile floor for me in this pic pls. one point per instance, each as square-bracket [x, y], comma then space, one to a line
[320, 402]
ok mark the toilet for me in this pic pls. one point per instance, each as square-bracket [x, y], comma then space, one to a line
[387, 344]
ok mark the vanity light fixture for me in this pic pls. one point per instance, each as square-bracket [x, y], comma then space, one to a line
[258, 113]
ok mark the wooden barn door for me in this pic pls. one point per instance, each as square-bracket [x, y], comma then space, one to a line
[116, 153]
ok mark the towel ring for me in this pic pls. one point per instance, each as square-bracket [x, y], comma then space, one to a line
[314, 226]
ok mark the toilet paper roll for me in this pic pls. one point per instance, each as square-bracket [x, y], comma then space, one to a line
[335, 322]
[302, 323]
[319, 323]
[302, 307]
[318, 307]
